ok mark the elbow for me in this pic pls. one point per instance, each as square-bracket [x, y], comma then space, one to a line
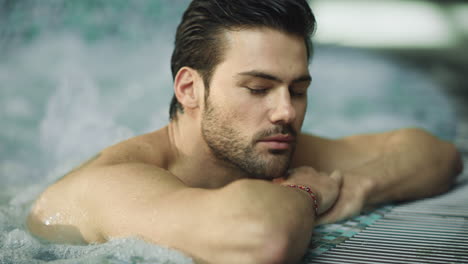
[273, 250]
[444, 158]
[447, 159]
[274, 247]
[451, 166]
[456, 166]
[280, 243]
[276, 231]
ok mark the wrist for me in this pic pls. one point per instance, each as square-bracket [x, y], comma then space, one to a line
[307, 190]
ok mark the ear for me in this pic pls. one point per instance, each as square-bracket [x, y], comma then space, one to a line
[185, 87]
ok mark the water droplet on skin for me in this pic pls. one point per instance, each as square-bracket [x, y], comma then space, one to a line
[53, 219]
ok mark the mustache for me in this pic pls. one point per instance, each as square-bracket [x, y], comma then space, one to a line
[279, 129]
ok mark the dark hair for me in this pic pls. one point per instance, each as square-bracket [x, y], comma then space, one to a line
[198, 43]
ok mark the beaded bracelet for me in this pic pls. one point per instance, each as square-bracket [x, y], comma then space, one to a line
[309, 191]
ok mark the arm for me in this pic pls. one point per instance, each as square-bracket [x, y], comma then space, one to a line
[377, 168]
[248, 221]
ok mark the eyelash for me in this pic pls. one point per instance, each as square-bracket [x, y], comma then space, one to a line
[257, 91]
[263, 91]
[298, 94]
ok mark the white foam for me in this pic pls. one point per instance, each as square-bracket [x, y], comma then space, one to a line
[19, 247]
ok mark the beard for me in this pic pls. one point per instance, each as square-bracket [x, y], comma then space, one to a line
[228, 144]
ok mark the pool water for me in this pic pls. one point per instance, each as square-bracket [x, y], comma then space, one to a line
[78, 76]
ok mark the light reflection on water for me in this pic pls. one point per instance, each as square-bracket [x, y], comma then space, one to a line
[97, 74]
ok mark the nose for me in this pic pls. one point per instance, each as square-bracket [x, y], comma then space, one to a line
[283, 111]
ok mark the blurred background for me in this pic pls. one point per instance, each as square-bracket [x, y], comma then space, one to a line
[77, 76]
[431, 35]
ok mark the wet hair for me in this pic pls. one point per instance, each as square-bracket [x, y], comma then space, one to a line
[199, 43]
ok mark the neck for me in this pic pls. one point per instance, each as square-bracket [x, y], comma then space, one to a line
[194, 163]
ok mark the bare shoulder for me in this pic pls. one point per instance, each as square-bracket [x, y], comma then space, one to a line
[151, 148]
[62, 212]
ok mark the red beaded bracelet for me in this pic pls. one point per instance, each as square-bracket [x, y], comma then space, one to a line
[309, 191]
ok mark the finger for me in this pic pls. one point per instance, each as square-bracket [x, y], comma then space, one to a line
[342, 210]
[333, 191]
[330, 201]
[337, 176]
[334, 215]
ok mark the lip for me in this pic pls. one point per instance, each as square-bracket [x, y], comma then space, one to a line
[279, 138]
[278, 142]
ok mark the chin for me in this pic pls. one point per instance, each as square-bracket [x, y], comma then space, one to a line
[280, 152]
[277, 168]
[269, 169]
[267, 164]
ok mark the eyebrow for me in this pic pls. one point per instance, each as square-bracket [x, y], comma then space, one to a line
[263, 75]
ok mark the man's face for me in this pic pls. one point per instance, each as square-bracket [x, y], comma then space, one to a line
[257, 101]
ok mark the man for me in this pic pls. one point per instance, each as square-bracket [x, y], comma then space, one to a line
[231, 179]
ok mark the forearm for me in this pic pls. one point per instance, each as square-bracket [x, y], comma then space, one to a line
[413, 164]
[285, 215]
[248, 221]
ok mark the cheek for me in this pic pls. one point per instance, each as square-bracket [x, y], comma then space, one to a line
[237, 107]
[241, 106]
[301, 111]
[302, 108]
[244, 117]
[228, 112]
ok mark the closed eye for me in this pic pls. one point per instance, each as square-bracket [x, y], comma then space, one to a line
[298, 93]
[257, 91]
[299, 90]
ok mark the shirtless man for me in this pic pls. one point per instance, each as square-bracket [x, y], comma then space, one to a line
[207, 183]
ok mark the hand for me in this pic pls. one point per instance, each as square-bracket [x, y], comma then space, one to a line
[350, 201]
[326, 187]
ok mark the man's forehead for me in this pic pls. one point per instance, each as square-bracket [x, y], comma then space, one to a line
[263, 50]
